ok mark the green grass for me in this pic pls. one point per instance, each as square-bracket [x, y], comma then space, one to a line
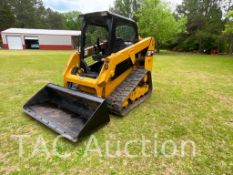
[192, 100]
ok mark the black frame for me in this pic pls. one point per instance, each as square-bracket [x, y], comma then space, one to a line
[108, 20]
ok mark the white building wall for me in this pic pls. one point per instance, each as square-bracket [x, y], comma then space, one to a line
[47, 42]
[43, 39]
[54, 40]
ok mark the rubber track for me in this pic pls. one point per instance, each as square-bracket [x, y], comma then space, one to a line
[123, 91]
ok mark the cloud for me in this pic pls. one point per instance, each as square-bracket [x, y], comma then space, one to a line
[81, 5]
[86, 6]
[172, 4]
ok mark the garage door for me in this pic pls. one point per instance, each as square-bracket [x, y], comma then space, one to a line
[14, 42]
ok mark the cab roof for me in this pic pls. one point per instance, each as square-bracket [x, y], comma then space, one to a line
[105, 14]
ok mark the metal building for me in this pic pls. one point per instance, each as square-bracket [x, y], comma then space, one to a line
[19, 39]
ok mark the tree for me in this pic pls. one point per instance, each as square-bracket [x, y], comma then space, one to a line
[7, 18]
[127, 8]
[72, 20]
[204, 23]
[33, 14]
[25, 12]
[40, 13]
[229, 30]
[154, 19]
[54, 20]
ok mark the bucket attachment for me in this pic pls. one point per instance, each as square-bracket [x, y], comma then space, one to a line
[70, 113]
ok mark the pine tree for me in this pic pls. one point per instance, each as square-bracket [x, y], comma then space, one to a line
[7, 18]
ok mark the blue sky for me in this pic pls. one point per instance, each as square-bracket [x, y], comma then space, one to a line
[87, 5]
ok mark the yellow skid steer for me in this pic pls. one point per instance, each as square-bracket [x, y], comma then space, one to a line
[111, 73]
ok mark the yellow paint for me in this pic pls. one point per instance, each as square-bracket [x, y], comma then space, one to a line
[137, 93]
[104, 85]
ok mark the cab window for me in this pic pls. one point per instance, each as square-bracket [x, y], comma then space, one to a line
[126, 33]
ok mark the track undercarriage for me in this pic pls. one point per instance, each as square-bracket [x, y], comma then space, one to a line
[133, 91]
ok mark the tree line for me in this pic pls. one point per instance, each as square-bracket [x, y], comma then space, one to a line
[195, 25]
[33, 14]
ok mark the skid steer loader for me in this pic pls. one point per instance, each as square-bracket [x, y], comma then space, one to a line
[111, 73]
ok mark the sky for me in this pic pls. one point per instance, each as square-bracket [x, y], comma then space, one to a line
[86, 6]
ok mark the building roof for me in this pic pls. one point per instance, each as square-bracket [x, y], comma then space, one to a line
[41, 32]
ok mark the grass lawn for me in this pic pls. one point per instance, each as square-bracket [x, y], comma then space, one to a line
[192, 100]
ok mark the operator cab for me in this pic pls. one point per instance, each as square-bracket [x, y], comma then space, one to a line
[104, 33]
